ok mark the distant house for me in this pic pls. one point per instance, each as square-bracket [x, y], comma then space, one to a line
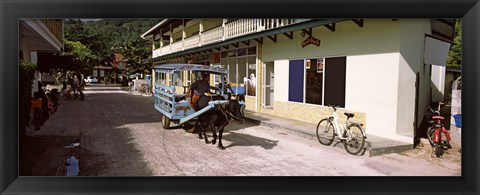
[102, 71]
[386, 71]
[450, 76]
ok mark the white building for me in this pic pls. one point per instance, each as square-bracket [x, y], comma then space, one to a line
[366, 66]
[39, 35]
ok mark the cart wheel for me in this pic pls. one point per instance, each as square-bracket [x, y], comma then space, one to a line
[165, 122]
[187, 126]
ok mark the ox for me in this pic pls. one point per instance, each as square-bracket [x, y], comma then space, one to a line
[218, 118]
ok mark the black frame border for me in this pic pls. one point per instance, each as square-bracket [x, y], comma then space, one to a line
[11, 11]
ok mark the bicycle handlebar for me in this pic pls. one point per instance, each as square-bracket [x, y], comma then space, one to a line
[434, 111]
[335, 109]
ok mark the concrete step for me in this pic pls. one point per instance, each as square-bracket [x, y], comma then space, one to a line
[375, 145]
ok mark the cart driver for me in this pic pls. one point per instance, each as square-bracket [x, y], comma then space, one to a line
[199, 88]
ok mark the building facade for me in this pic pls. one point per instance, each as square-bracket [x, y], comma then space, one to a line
[116, 71]
[378, 69]
[39, 35]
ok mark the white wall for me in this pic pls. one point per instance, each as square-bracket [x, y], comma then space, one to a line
[438, 83]
[412, 39]
[382, 58]
[281, 80]
[211, 23]
[377, 36]
[371, 87]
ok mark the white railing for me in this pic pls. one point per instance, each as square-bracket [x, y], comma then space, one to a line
[212, 35]
[177, 46]
[191, 42]
[232, 29]
[241, 27]
[157, 52]
[165, 50]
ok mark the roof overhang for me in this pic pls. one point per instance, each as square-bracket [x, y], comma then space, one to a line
[443, 29]
[289, 28]
[149, 32]
[37, 36]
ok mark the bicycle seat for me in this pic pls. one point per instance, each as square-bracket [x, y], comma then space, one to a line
[349, 115]
[438, 117]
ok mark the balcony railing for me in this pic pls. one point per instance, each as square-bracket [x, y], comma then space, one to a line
[177, 46]
[191, 42]
[231, 30]
[212, 35]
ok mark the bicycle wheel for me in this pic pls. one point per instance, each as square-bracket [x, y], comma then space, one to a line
[355, 141]
[439, 149]
[430, 132]
[325, 132]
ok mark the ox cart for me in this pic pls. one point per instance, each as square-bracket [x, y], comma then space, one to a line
[171, 85]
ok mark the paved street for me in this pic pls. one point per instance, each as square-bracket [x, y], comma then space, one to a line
[120, 134]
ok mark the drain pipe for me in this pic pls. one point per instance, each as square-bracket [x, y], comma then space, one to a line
[416, 139]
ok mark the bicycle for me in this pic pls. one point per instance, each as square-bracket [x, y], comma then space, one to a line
[435, 131]
[351, 134]
[147, 90]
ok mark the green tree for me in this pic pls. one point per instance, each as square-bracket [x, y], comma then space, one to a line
[454, 59]
[81, 58]
[136, 56]
[26, 79]
[94, 37]
[108, 36]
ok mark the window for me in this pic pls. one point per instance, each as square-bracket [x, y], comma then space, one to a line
[179, 81]
[95, 72]
[241, 65]
[202, 59]
[314, 81]
[102, 73]
[335, 81]
[251, 74]
[324, 80]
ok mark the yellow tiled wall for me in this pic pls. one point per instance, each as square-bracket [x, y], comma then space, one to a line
[250, 103]
[310, 113]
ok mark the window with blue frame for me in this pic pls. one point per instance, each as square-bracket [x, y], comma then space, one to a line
[320, 81]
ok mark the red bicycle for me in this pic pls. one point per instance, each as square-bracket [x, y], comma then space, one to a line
[434, 133]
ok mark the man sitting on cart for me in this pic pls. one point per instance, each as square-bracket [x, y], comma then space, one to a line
[199, 88]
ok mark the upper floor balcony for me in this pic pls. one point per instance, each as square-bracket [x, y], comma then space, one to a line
[171, 36]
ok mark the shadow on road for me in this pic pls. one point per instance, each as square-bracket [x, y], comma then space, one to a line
[240, 139]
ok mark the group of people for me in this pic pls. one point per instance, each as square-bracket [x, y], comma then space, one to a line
[76, 87]
[45, 101]
[43, 104]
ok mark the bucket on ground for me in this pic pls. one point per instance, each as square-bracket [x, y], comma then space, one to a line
[72, 166]
[458, 120]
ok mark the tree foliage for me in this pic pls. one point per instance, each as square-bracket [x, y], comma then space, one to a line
[26, 78]
[108, 36]
[454, 59]
[80, 53]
